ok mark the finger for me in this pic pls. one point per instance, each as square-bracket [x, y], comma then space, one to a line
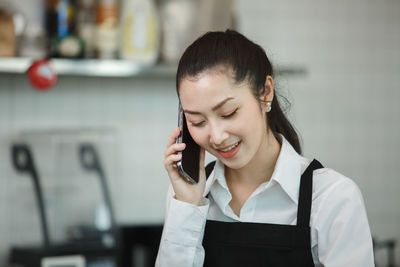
[173, 136]
[202, 158]
[174, 148]
[171, 160]
[201, 165]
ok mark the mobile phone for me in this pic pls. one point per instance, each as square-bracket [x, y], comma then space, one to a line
[188, 166]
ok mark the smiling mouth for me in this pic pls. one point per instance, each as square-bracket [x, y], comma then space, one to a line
[230, 151]
[230, 148]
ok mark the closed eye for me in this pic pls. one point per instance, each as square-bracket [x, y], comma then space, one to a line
[197, 124]
[230, 114]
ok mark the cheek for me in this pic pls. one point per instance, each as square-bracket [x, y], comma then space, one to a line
[199, 136]
[252, 123]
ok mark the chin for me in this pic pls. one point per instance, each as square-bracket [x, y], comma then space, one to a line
[235, 164]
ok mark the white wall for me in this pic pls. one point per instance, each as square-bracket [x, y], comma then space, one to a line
[141, 113]
[346, 109]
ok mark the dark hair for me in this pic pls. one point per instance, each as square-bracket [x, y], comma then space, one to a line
[248, 62]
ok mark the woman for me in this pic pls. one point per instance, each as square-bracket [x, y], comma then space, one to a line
[263, 203]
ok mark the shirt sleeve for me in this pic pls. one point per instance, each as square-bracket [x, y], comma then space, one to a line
[182, 237]
[343, 233]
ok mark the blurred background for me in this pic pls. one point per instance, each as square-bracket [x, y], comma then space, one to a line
[87, 102]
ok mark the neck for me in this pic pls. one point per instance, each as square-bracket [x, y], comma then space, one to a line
[261, 167]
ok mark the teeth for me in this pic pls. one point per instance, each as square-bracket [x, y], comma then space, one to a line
[231, 147]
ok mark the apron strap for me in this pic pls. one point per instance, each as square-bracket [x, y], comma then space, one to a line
[305, 191]
[209, 168]
[305, 194]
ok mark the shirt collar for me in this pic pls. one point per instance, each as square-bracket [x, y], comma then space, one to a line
[287, 171]
[218, 174]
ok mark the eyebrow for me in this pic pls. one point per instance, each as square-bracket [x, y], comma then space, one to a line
[217, 106]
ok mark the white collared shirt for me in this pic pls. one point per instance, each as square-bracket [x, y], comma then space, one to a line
[340, 233]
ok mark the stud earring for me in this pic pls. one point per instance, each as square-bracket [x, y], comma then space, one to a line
[269, 106]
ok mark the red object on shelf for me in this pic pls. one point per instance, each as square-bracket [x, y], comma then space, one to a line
[41, 75]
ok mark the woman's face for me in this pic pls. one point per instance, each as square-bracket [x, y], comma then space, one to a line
[222, 117]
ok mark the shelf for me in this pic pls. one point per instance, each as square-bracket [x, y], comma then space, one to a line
[113, 68]
[91, 67]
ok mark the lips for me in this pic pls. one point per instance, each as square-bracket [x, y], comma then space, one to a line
[230, 151]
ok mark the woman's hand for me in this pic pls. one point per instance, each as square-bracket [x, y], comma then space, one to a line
[184, 191]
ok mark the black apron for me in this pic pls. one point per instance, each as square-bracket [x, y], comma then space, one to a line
[261, 244]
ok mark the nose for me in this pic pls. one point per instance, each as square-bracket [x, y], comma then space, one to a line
[218, 134]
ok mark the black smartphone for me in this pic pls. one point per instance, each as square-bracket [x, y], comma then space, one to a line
[188, 166]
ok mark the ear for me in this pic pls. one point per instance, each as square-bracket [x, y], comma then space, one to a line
[268, 95]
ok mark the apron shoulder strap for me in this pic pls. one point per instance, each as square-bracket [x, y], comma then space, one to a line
[209, 168]
[305, 194]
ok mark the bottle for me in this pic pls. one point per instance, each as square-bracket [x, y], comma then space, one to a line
[32, 43]
[7, 31]
[86, 26]
[106, 40]
[179, 27]
[52, 26]
[139, 32]
[61, 29]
